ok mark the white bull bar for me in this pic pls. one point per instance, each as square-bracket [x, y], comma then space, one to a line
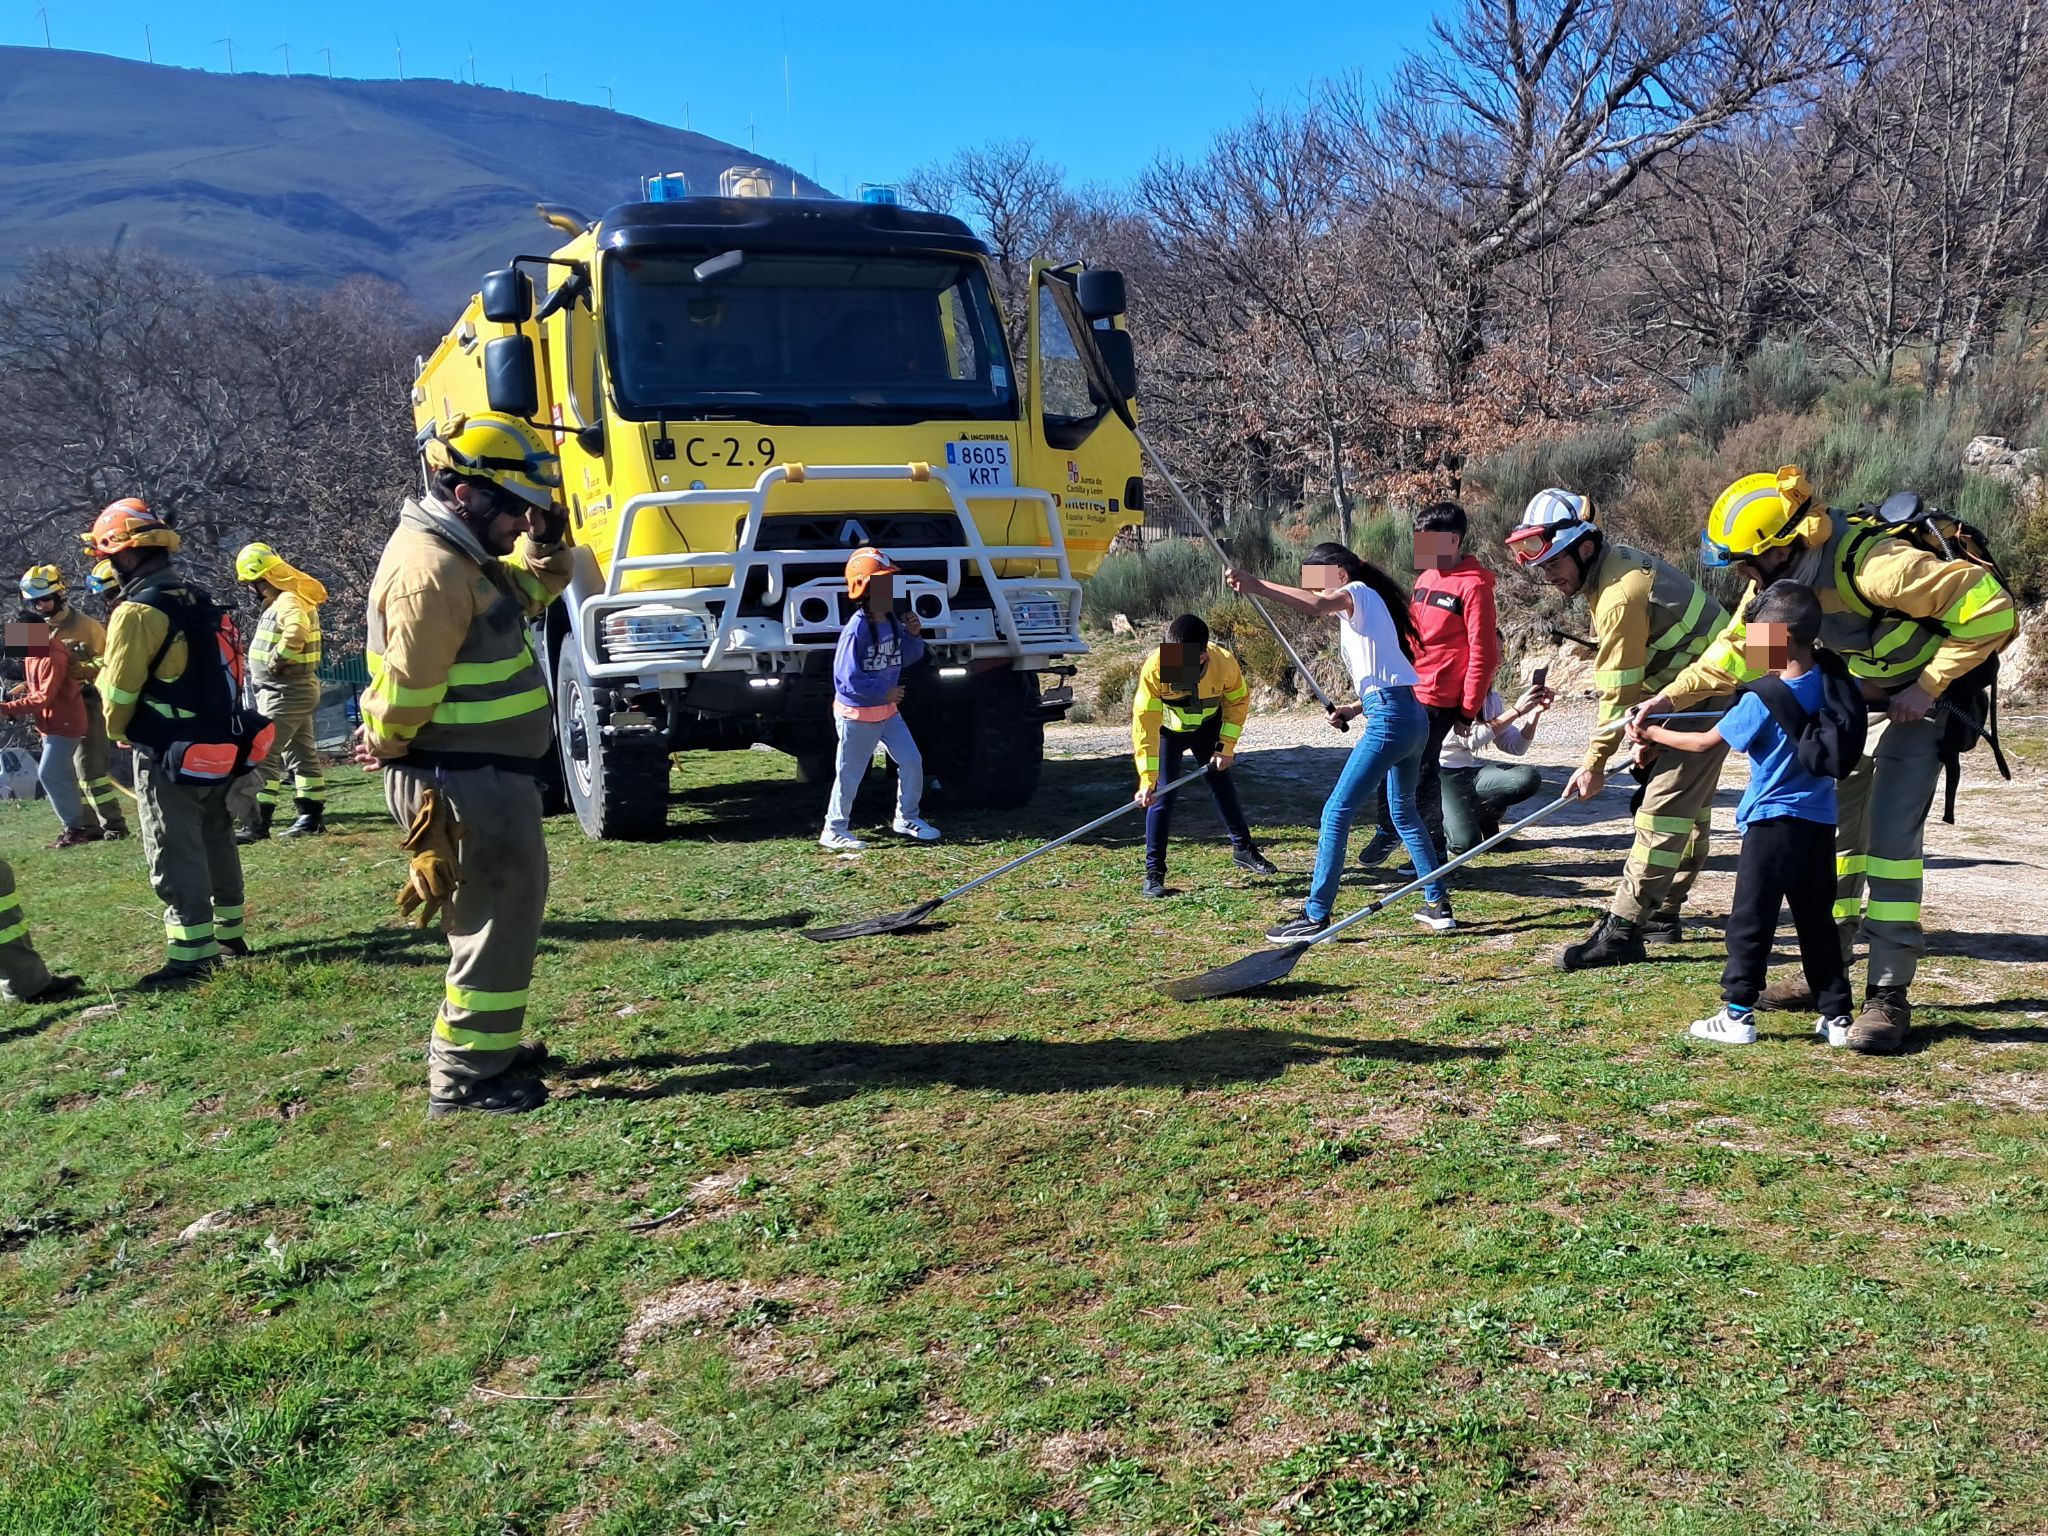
[747, 558]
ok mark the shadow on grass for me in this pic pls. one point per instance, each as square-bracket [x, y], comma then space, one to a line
[2008, 947]
[1922, 1036]
[828, 1071]
[424, 946]
[52, 1014]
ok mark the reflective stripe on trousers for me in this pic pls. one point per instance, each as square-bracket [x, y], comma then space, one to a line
[20, 966]
[492, 922]
[293, 755]
[1671, 826]
[1879, 868]
[188, 839]
[95, 777]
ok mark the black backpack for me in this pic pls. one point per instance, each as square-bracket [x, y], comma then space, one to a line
[1829, 743]
[211, 736]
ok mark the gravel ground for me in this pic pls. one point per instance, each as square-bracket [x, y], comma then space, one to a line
[1987, 888]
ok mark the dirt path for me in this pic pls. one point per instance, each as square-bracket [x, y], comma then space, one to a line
[1987, 883]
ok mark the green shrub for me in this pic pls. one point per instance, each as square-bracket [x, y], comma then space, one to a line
[1236, 624]
[1116, 683]
[1594, 463]
[1173, 576]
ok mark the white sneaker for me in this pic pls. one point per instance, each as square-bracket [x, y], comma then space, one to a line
[1726, 1028]
[839, 842]
[1834, 1031]
[910, 826]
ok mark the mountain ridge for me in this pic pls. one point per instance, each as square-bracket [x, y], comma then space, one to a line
[310, 180]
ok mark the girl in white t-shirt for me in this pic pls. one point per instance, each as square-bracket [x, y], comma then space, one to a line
[1377, 639]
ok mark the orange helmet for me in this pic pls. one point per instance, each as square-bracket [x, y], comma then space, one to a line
[864, 564]
[129, 524]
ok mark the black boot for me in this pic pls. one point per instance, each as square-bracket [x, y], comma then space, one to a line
[311, 822]
[1613, 941]
[1664, 928]
[258, 830]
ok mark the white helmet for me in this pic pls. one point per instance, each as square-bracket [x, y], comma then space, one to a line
[1552, 523]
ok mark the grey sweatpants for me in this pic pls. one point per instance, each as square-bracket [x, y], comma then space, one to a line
[857, 742]
[492, 922]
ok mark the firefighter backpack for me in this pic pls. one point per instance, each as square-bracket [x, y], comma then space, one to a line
[1968, 711]
[202, 732]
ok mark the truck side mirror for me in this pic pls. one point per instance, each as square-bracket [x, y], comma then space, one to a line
[510, 383]
[1100, 291]
[507, 296]
[1119, 357]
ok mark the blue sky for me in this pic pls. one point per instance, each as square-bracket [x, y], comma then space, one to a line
[871, 93]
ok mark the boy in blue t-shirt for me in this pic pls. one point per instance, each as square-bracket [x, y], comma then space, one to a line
[1787, 821]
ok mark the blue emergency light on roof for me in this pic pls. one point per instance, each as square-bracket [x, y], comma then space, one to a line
[880, 192]
[669, 187]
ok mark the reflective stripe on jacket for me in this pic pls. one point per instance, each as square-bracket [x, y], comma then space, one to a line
[1652, 621]
[452, 668]
[1154, 707]
[1898, 614]
[287, 642]
[135, 632]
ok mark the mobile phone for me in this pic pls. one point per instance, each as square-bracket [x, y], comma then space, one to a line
[1539, 677]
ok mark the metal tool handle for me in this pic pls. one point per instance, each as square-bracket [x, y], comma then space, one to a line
[1061, 842]
[1443, 869]
[1202, 525]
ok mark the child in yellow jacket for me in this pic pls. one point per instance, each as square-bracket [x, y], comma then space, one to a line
[1191, 698]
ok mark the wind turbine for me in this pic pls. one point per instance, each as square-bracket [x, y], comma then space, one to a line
[399, 45]
[286, 48]
[545, 77]
[230, 41]
[328, 53]
[610, 105]
[148, 43]
[472, 66]
[43, 16]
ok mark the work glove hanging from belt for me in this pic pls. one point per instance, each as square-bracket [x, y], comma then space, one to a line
[433, 840]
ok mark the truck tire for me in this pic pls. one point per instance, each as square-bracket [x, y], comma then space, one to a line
[987, 749]
[617, 787]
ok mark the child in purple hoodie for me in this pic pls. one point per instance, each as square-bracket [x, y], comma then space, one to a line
[874, 648]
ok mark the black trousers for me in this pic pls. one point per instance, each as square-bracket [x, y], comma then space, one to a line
[1786, 861]
[1201, 745]
[1429, 789]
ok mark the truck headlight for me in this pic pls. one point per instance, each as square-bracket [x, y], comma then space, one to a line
[1039, 611]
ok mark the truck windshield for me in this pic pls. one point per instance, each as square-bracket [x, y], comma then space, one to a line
[805, 336]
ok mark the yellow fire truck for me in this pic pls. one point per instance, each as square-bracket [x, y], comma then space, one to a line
[743, 389]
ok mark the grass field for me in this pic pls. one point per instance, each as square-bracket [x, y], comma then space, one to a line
[976, 1233]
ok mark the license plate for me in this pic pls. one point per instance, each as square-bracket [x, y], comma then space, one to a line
[982, 465]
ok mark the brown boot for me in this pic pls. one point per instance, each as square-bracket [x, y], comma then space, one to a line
[1880, 1029]
[1789, 994]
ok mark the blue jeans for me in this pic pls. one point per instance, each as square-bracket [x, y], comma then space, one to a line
[1392, 736]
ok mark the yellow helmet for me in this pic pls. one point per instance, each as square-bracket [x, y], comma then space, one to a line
[41, 581]
[253, 560]
[501, 449]
[1756, 513]
[103, 579]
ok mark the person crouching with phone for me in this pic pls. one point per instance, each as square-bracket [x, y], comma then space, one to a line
[1191, 698]
[874, 648]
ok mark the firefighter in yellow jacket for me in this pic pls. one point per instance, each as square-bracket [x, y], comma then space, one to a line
[458, 717]
[284, 664]
[172, 687]
[1191, 699]
[85, 637]
[1650, 621]
[1910, 624]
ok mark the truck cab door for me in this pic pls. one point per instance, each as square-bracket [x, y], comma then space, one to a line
[1077, 442]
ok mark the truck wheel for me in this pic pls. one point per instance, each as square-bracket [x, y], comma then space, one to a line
[987, 749]
[617, 788]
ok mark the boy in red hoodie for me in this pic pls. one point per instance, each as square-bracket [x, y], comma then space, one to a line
[1453, 608]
